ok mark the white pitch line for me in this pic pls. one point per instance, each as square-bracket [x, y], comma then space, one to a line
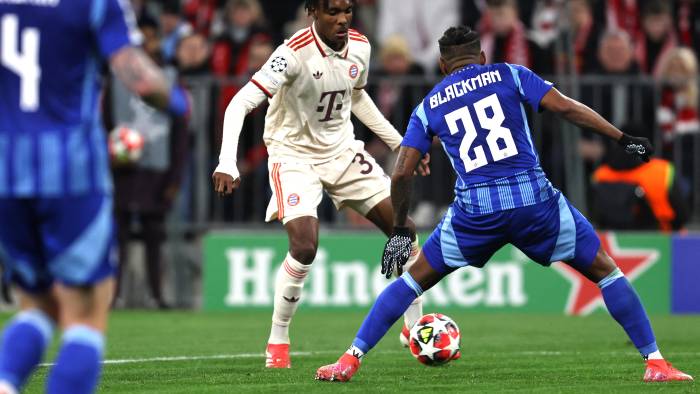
[304, 354]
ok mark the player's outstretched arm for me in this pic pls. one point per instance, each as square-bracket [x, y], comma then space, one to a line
[582, 116]
[226, 177]
[402, 183]
[132, 66]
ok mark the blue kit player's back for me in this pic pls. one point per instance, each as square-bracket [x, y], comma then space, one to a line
[55, 185]
[501, 193]
[501, 196]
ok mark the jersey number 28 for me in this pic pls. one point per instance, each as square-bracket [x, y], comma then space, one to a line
[493, 124]
[24, 64]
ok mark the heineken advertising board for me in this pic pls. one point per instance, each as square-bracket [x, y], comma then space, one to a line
[240, 270]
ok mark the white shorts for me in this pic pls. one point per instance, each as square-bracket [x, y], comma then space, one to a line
[352, 179]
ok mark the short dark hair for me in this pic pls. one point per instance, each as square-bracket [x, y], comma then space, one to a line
[459, 42]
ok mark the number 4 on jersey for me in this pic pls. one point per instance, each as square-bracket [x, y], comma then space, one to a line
[25, 63]
[493, 124]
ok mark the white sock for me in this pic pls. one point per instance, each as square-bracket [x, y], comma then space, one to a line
[415, 310]
[288, 285]
[655, 356]
[355, 352]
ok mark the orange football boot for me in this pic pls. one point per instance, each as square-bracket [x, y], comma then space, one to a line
[277, 356]
[341, 371]
[663, 371]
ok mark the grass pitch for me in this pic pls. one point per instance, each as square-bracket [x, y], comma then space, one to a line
[182, 352]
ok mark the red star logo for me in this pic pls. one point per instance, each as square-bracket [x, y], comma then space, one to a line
[585, 296]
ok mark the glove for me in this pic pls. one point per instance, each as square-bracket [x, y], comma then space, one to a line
[396, 251]
[636, 146]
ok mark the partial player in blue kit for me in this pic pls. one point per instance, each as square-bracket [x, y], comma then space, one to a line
[56, 227]
[501, 196]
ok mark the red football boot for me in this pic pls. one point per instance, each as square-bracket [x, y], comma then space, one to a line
[663, 371]
[277, 356]
[341, 371]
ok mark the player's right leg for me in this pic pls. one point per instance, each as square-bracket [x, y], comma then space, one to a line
[26, 337]
[458, 241]
[297, 191]
[83, 319]
[387, 309]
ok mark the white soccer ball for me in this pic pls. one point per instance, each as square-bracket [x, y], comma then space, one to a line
[434, 339]
[125, 145]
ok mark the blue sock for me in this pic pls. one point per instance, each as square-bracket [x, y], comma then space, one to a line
[625, 307]
[78, 364]
[388, 307]
[23, 344]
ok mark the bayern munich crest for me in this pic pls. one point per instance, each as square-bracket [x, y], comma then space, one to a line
[278, 64]
[353, 71]
[293, 199]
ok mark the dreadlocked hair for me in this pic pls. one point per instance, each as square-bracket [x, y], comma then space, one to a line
[459, 42]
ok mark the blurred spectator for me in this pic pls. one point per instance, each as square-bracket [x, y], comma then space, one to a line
[173, 27]
[421, 23]
[146, 189]
[678, 107]
[396, 97]
[622, 15]
[633, 195]
[621, 100]
[617, 99]
[192, 57]
[503, 35]
[302, 20]
[151, 39]
[243, 20]
[200, 14]
[585, 37]
[278, 14]
[544, 30]
[657, 37]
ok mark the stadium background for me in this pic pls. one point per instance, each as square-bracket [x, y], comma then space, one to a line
[632, 61]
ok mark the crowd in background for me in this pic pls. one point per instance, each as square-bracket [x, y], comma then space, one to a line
[645, 48]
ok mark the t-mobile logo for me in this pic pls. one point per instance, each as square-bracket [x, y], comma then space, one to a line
[331, 106]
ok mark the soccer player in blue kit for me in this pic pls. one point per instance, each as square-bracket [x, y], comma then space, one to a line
[501, 196]
[56, 227]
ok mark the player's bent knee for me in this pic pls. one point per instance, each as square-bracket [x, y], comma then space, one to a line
[304, 253]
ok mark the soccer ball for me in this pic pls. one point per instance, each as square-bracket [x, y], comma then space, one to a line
[434, 339]
[125, 145]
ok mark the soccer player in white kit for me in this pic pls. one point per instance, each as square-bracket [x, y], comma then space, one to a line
[314, 81]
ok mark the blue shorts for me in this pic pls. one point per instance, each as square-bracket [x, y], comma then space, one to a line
[546, 232]
[65, 239]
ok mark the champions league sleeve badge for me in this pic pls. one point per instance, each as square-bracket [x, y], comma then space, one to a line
[278, 64]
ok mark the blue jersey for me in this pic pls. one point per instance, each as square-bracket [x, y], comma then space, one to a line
[477, 113]
[51, 140]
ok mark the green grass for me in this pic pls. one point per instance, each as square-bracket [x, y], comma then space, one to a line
[501, 353]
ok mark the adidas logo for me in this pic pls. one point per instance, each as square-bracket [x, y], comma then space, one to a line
[291, 299]
[317, 74]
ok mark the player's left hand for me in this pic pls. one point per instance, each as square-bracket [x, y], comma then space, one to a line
[423, 166]
[396, 251]
[636, 146]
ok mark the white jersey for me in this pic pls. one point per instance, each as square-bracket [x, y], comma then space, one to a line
[310, 89]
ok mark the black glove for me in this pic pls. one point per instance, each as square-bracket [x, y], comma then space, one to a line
[396, 251]
[636, 146]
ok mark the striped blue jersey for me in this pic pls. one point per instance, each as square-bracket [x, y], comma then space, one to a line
[477, 113]
[51, 140]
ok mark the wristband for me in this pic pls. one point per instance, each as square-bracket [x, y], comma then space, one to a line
[178, 103]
